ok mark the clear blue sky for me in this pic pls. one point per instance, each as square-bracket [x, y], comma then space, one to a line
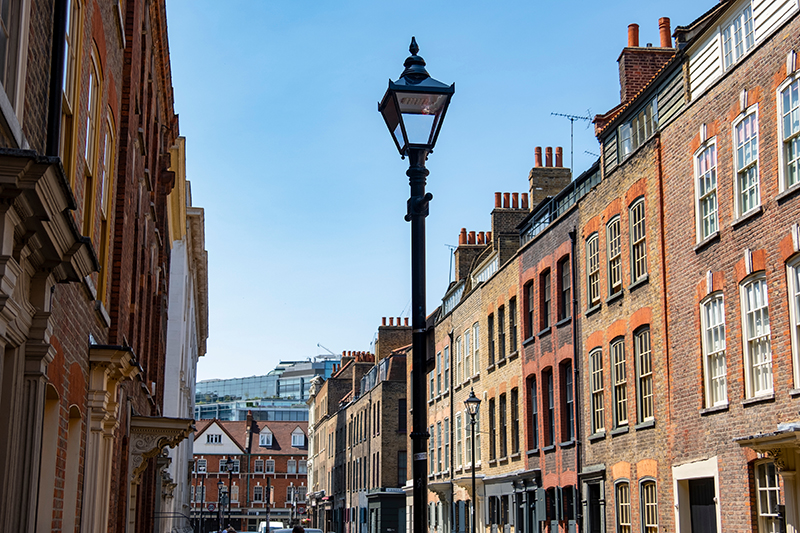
[303, 189]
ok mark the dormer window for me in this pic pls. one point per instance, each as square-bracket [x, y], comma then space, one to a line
[265, 439]
[636, 131]
[737, 36]
[298, 438]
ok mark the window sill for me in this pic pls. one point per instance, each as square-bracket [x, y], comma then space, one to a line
[503, 460]
[614, 297]
[644, 280]
[597, 436]
[592, 310]
[490, 368]
[567, 444]
[759, 399]
[564, 321]
[545, 331]
[620, 430]
[529, 340]
[548, 449]
[513, 355]
[533, 452]
[501, 362]
[647, 424]
[700, 246]
[492, 462]
[747, 216]
[791, 191]
[515, 456]
[794, 393]
[714, 409]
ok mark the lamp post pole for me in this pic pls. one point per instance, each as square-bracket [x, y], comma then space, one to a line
[473, 404]
[220, 486]
[413, 109]
[202, 502]
[229, 466]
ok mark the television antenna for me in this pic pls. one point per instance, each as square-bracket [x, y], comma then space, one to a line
[324, 348]
[572, 119]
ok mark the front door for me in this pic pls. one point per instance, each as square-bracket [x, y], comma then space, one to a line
[701, 501]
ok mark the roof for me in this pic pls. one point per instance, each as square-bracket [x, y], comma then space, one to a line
[281, 434]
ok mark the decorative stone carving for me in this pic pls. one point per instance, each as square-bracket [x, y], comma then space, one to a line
[778, 456]
[149, 434]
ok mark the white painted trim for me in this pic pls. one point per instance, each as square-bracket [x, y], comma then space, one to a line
[681, 474]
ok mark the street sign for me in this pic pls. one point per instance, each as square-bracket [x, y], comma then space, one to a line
[211, 506]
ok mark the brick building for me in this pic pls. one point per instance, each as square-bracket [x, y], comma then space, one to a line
[85, 151]
[268, 480]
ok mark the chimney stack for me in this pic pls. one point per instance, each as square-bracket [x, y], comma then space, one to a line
[633, 35]
[664, 32]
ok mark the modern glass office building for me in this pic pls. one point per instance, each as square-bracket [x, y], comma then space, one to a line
[279, 395]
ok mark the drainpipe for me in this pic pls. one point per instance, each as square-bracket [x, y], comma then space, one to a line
[575, 372]
[452, 464]
[660, 179]
[56, 77]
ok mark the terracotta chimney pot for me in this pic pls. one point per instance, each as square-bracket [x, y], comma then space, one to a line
[383, 322]
[524, 200]
[406, 321]
[664, 32]
[515, 200]
[497, 199]
[559, 157]
[538, 157]
[548, 156]
[471, 238]
[462, 237]
[481, 237]
[633, 35]
[506, 197]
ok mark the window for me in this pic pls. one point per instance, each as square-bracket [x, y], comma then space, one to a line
[769, 498]
[490, 326]
[544, 291]
[614, 256]
[432, 387]
[549, 402]
[432, 450]
[567, 403]
[468, 438]
[258, 493]
[528, 294]
[269, 466]
[737, 36]
[534, 416]
[258, 466]
[438, 373]
[596, 362]
[446, 438]
[302, 467]
[745, 133]
[705, 171]
[458, 457]
[106, 182]
[402, 468]
[620, 382]
[492, 431]
[467, 349]
[401, 415]
[438, 446]
[478, 436]
[298, 438]
[790, 133]
[638, 243]
[512, 325]
[92, 129]
[69, 88]
[593, 269]
[644, 369]
[649, 507]
[459, 362]
[265, 439]
[514, 420]
[291, 466]
[201, 466]
[501, 333]
[476, 329]
[200, 493]
[214, 439]
[503, 426]
[757, 348]
[623, 507]
[565, 290]
[446, 368]
[712, 312]
[794, 314]
[635, 132]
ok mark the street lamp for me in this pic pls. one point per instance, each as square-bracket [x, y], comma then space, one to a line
[220, 486]
[413, 109]
[229, 468]
[473, 403]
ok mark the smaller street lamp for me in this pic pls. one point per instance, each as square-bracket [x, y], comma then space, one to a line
[229, 467]
[473, 404]
[220, 486]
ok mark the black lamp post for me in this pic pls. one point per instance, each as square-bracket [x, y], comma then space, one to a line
[413, 109]
[220, 497]
[473, 403]
[229, 468]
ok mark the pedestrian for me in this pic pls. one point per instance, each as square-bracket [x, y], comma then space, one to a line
[298, 529]
[230, 529]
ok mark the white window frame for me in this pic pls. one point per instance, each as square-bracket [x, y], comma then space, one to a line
[619, 372]
[791, 85]
[258, 493]
[713, 340]
[635, 132]
[302, 467]
[638, 240]
[648, 508]
[596, 384]
[298, 439]
[459, 362]
[593, 269]
[265, 439]
[446, 384]
[201, 466]
[468, 440]
[614, 255]
[705, 189]
[645, 380]
[728, 33]
[793, 285]
[258, 466]
[476, 335]
[622, 500]
[762, 368]
[459, 457]
[768, 496]
[741, 169]
[291, 466]
[214, 438]
[269, 466]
